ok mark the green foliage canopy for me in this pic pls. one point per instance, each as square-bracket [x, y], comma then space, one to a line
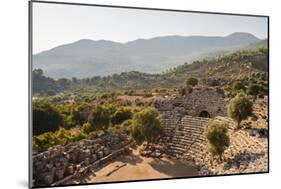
[45, 118]
[146, 125]
[218, 138]
[191, 81]
[240, 107]
[122, 114]
[99, 118]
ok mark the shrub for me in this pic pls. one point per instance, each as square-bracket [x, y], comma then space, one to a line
[86, 128]
[191, 81]
[240, 107]
[218, 138]
[255, 89]
[61, 137]
[68, 122]
[122, 114]
[45, 118]
[99, 118]
[127, 126]
[237, 85]
[44, 141]
[80, 113]
[78, 136]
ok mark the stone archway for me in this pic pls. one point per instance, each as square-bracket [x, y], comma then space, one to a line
[204, 113]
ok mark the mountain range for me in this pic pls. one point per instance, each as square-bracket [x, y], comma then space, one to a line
[88, 58]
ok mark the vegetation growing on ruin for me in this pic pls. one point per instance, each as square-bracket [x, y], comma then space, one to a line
[146, 126]
[191, 81]
[218, 138]
[240, 107]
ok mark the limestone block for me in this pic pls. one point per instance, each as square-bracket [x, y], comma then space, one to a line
[70, 169]
[100, 154]
[59, 174]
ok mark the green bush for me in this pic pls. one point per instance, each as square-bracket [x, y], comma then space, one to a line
[191, 81]
[44, 141]
[45, 118]
[122, 114]
[255, 89]
[218, 138]
[68, 122]
[237, 85]
[127, 125]
[239, 108]
[61, 137]
[86, 128]
[78, 136]
[80, 113]
[99, 118]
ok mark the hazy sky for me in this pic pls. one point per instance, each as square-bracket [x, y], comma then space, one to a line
[56, 24]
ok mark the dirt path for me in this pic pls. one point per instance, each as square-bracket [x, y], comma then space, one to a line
[136, 167]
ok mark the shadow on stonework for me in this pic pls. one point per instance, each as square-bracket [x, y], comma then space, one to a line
[242, 159]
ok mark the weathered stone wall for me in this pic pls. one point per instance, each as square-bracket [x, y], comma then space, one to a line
[198, 100]
[60, 163]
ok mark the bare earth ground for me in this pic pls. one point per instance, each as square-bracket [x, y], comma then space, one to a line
[137, 167]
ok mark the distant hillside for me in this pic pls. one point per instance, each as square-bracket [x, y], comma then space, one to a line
[257, 45]
[224, 67]
[87, 58]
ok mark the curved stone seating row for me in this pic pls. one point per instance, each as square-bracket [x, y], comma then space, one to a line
[245, 154]
[186, 134]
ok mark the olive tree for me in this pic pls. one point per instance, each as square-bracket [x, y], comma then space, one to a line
[218, 138]
[146, 126]
[239, 108]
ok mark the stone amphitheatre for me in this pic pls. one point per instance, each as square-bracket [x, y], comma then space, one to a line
[183, 148]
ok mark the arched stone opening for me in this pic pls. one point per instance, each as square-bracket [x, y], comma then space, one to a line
[204, 113]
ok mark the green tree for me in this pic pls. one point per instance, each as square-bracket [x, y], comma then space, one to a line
[237, 85]
[62, 136]
[45, 118]
[239, 108]
[191, 81]
[99, 118]
[122, 114]
[255, 89]
[218, 138]
[86, 128]
[146, 126]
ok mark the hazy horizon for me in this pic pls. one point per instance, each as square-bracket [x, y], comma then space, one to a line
[57, 24]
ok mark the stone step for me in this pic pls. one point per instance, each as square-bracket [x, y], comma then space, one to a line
[181, 143]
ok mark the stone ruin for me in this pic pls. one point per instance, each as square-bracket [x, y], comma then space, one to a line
[184, 118]
[59, 164]
[197, 102]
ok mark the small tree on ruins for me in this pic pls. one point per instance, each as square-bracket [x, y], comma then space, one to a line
[191, 81]
[218, 138]
[240, 107]
[146, 126]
